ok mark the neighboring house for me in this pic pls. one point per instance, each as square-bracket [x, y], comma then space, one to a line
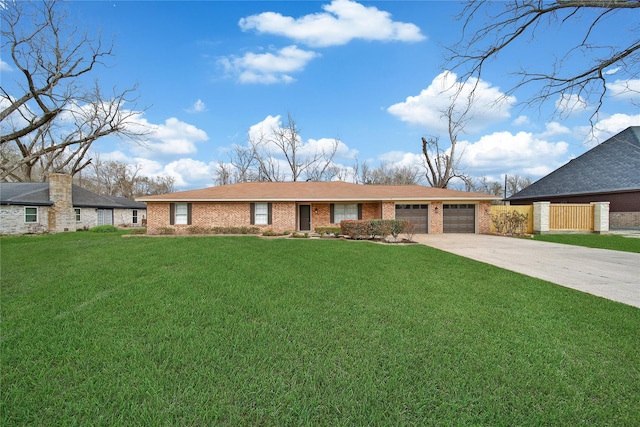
[609, 172]
[302, 206]
[59, 205]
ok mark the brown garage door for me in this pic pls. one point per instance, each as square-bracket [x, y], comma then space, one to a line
[459, 218]
[417, 214]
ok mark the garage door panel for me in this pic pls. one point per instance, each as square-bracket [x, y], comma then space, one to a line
[417, 214]
[459, 218]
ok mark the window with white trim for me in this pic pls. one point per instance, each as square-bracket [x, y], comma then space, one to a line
[30, 214]
[182, 213]
[77, 211]
[345, 212]
[261, 214]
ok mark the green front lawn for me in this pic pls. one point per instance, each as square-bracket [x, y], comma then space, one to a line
[601, 241]
[103, 330]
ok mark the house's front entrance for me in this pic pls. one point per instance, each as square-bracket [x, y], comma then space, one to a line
[304, 217]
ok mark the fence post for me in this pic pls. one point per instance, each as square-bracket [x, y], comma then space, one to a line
[541, 217]
[600, 217]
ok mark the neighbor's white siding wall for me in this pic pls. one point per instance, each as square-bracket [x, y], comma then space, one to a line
[12, 220]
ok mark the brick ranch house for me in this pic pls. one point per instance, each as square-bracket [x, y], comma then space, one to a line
[59, 206]
[302, 206]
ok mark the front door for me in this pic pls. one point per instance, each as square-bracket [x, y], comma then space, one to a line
[305, 217]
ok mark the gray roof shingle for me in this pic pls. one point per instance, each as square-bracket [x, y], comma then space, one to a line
[37, 194]
[612, 166]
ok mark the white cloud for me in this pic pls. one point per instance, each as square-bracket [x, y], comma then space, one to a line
[427, 109]
[570, 104]
[607, 127]
[521, 121]
[5, 67]
[198, 107]
[267, 68]
[174, 137]
[553, 129]
[625, 89]
[341, 22]
[612, 71]
[503, 152]
[188, 172]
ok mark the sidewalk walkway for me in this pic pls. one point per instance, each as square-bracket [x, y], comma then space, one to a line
[614, 275]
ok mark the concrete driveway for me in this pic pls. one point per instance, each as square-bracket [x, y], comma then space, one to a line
[609, 274]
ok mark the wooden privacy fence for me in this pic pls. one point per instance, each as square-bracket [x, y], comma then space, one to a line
[571, 217]
[526, 210]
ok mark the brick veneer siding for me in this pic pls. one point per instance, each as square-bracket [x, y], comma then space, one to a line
[435, 219]
[209, 214]
[388, 210]
[484, 218]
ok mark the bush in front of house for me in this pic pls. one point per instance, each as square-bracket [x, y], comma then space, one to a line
[366, 229]
[139, 230]
[103, 229]
[356, 229]
[335, 231]
[166, 231]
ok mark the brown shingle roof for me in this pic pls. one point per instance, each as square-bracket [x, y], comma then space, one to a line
[315, 191]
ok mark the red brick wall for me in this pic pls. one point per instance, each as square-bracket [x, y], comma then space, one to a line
[484, 218]
[436, 226]
[322, 218]
[209, 214]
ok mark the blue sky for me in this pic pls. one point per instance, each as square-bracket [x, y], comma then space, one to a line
[367, 73]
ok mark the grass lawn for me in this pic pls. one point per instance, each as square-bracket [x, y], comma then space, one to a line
[601, 241]
[104, 330]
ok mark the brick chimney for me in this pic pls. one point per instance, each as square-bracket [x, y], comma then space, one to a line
[61, 215]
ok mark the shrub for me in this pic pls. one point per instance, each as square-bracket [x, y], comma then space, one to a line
[359, 229]
[384, 227]
[328, 231]
[270, 232]
[141, 230]
[197, 229]
[297, 235]
[235, 230]
[166, 230]
[510, 222]
[409, 230]
[103, 229]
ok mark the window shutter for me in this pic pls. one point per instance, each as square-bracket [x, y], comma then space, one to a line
[252, 213]
[269, 213]
[331, 213]
[172, 213]
[188, 213]
[359, 210]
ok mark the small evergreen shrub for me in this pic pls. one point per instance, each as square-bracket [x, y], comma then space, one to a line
[197, 229]
[103, 229]
[328, 231]
[141, 230]
[166, 230]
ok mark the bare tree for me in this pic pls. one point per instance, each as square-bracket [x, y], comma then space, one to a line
[390, 174]
[442, 161]
[54, 118]
[578, 74]
[278, 154]
[115, 178]
[486, 186]
[516, 183]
